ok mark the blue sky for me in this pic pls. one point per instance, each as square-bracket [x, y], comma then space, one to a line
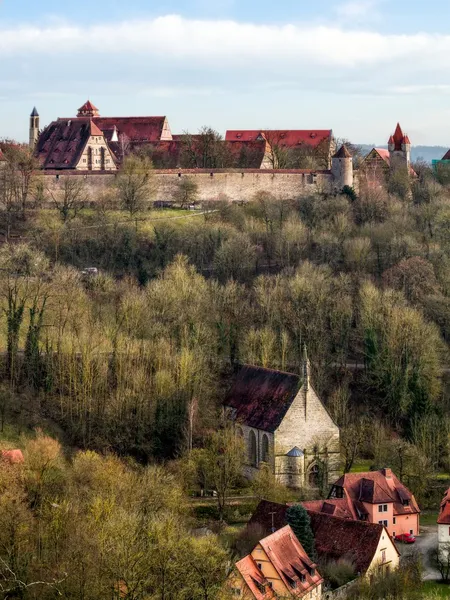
[356, 66]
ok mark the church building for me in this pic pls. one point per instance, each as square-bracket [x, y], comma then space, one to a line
[285, 425]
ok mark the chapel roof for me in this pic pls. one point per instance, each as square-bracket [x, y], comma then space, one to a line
[261, 397]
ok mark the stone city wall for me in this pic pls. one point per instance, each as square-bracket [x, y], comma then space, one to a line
[235, 186]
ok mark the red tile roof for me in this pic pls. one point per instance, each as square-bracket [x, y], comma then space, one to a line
[261, 397]
[94, 130]
[291, 562]
[337, 538]
[284, 137]
[14, 457]
[376, 487]
[137, 129]
[337, 507]
[444, 512]
[88, 109]
[254, 578]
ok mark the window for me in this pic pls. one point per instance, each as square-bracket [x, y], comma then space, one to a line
[382, 508]
[393, 534]
[383, 556]
[405, 502]
[314, 476]
[411, 532]
[385, 523]
[259, 565]
[449, 531]
[252, 449]
[265, 448]
[393, 521]
[293, 584]
[302, 578]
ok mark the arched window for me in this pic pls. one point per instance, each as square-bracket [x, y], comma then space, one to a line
[265, 449]
[314, 476]
[252, 449]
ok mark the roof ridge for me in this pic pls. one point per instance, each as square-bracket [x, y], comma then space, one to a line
[270, 370]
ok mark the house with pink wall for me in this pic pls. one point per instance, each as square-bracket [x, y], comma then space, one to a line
[375, 497]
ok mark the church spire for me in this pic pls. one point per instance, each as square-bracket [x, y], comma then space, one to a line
[306, 367]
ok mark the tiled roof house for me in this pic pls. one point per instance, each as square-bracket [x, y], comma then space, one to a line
[375, 497]
[278, 567]
[285, 425]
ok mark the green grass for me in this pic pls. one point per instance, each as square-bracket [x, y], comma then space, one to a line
[361, 466]
[428, 518]
[435, 590]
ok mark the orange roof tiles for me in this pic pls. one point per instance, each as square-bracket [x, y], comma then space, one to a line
[444, 512]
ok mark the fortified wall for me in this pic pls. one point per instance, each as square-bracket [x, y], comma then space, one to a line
[213, 185]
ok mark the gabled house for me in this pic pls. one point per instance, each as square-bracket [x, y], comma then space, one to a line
[368, 546]
[278, 567]
[444, 525]
[375, 497]
[284, 425]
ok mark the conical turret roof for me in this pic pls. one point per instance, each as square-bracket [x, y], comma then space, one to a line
[342, 152]
[34, 113]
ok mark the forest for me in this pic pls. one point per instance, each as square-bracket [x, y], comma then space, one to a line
[121, 324]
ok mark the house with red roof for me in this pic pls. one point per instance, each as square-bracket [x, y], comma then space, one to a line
[373, 497]
[278, 567]
[285, 425]
[444, 525]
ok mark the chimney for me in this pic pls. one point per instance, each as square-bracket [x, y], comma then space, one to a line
[387, 473]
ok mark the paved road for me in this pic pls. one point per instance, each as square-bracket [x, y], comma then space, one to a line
[425, 544]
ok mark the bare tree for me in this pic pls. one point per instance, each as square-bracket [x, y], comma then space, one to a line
[205, 150]
[135, 184]
[70, 198]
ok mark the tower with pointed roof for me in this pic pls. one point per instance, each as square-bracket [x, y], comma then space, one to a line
[34, 128]
[399, 147]
[342, 168]
[88, 110]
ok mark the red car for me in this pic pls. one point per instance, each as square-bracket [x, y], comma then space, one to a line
[406, 538]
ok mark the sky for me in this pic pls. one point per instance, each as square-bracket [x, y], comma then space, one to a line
[354, 66]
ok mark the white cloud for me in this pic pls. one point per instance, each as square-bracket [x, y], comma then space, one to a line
[222, 43]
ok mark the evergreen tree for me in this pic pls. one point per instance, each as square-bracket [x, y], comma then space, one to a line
[298, 519]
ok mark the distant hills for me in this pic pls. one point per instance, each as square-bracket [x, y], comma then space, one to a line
[426, 153]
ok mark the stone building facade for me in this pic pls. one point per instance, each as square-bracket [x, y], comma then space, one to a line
[285, 426]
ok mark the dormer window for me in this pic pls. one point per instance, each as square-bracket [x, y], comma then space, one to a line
[405, 502]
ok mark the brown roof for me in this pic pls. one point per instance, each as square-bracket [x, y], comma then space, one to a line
[61, 144]
[342, 152]
[446, 155]
[376, 487]
[338, 538]
[261, 397]
[268, 514]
